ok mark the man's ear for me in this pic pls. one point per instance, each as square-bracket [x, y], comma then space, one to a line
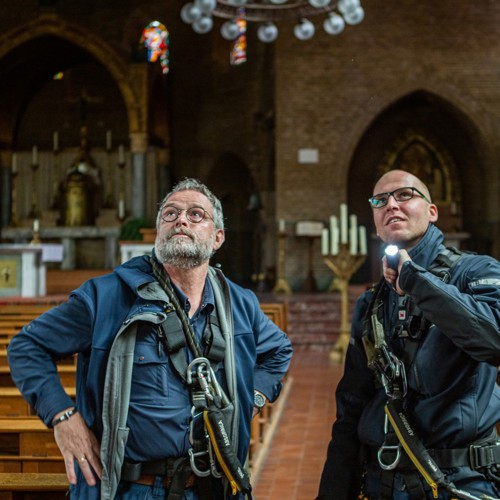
[433, 213]
[220, 237]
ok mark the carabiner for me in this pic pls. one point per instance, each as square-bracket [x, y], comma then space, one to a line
[192, 460]
[385, 448]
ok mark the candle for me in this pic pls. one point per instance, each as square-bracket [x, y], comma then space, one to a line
[325, 237]
[108, 140]
[334, 235]
[335, 241]
[353, 235]
[362, 240]
[36, 226]
[56, 141]
[34, 159]
[343, 223]
[14, 163]
[121, 155]
[121, 209]
[281, 225]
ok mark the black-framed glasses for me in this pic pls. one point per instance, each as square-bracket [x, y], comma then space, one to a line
[193, 214]
[400, 195]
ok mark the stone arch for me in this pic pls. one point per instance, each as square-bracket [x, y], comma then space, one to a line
[104, 53]
[431, 130]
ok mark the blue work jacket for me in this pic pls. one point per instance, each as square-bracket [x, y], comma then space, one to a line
[453, 396]
[88, 323]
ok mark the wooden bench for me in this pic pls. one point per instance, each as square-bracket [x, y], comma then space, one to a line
[12, 403]
[28, 486]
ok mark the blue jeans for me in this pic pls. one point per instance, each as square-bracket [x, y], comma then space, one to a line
[135, 491]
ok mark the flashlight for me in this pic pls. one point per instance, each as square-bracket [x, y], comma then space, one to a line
[392, 256]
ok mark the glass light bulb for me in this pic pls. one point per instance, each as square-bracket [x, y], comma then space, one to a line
[278, 2]
[206, 6]
[346, 6]
[229, 30]
[319, 4]
[267, 32]
[334, 24]
[355, 16]
[304, 30]
[190, 13]
[203, 24]
[237, 3]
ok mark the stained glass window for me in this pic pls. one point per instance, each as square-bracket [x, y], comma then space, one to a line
[155, 38]
[239, 45]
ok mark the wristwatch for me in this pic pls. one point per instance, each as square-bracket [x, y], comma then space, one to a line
[259, 400]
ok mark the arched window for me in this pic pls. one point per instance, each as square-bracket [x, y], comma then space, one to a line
[155, 38]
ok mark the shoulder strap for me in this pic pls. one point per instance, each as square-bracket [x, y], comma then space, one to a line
[445, 262]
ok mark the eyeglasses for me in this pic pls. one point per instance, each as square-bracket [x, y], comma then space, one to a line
[193, 214]
[400, 195]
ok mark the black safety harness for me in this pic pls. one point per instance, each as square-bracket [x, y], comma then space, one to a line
[213, 454]
[402, 450]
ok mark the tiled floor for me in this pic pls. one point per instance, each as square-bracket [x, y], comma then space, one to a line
[294, 460]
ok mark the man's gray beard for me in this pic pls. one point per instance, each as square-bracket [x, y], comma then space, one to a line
[181, 253]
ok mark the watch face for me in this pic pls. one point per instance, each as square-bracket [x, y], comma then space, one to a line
[259, 400]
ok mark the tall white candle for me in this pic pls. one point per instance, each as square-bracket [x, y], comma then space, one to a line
[353, 235]
[121, 209]
[335, 241]
[121, 154]
[34, 158]
[14, 163]
[362, 240]
[36, 226]
[334, 234]
[281, 225]
[343, 223]
[56, 141]
[325, 237]
[108, 140]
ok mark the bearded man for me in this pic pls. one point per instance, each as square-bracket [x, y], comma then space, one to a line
[164, 344]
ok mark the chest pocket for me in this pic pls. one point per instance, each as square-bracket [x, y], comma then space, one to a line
[151, 373]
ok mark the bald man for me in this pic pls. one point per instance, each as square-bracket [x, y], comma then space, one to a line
[430, 332]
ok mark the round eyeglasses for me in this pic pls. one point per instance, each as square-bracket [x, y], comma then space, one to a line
[400, 195]
[193, 214]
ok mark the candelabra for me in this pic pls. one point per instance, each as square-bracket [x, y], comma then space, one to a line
[344, 264]
[282, 285]
[36, 233]
[34, 203]
[55, 182]
[121, 198]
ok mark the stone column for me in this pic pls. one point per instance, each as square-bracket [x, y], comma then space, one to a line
[138, 148]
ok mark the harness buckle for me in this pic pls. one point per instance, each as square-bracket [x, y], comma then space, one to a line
[486, 455]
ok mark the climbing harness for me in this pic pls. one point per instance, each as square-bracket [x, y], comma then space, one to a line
[401, 440]
[213, 452]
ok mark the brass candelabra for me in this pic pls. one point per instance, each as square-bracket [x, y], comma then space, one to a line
[344, 264]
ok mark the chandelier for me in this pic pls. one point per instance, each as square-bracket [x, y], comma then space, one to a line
[200, 13]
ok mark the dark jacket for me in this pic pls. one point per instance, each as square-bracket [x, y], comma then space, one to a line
[88, 324]
[453, 395]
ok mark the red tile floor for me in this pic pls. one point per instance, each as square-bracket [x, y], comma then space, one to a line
[293, 461]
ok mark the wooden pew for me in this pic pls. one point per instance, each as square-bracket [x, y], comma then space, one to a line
[67, 374]
[12, 403]
[30, 486]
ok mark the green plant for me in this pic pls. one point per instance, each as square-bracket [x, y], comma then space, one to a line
[130, 229]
